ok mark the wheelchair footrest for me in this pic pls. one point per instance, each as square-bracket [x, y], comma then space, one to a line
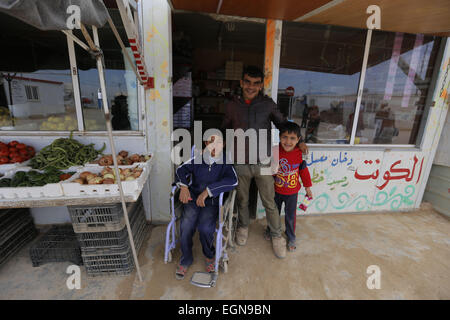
[204, 279]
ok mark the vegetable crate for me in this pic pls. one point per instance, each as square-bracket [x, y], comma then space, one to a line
[147, 164]
[134, 187]
[6, 168]
[16, 230]
[48, 190]
[112, 255]
[59, 244]
[108, 217]
[112, 239]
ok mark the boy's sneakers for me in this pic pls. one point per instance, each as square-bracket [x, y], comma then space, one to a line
[291, 247]
[180, 272]
[241, 236]
[279, 247]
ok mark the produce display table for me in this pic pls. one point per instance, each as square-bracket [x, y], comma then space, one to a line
[78, 199]
[63, 201]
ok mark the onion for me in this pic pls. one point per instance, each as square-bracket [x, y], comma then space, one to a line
[95, 180]
[108, 176]
[90, 177]
[137, 174]
[108, 181]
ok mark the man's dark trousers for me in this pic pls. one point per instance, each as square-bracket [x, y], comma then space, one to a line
[202, 218]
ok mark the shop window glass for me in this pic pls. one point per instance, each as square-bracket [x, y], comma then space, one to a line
[121, 82]
[36, 91]
[397, 81]
[320, 67]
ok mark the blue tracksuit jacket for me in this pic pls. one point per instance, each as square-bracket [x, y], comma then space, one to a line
[215, 177]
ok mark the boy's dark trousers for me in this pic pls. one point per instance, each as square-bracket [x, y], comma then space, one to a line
[290, 210]
[202, 218]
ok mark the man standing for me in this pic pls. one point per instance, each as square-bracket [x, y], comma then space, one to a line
[255, 111]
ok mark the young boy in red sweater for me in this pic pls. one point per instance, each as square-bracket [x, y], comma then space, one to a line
[291, 166]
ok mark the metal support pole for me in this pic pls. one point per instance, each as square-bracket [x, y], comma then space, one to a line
[361, 86]
[101, 75]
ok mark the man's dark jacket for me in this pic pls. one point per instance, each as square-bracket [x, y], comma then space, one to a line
[257, 115]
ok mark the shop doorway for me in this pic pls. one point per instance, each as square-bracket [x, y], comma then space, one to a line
[209, 53]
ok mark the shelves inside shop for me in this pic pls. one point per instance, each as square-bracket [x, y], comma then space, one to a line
[209, 53]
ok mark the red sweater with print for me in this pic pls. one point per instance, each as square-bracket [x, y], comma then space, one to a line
[291, 166]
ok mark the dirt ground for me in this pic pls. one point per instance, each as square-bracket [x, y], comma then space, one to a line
[411, 249]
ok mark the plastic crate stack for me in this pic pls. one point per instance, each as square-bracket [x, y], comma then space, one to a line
[59, 244]
[16, 230]
[103, 236]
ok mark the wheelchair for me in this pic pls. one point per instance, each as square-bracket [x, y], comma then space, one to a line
[224, 235]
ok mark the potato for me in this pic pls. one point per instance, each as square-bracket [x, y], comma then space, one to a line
[123, 154]
[135, 158]
[84, 174]
[78, 180]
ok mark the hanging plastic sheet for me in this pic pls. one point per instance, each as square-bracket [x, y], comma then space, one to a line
[53, 15]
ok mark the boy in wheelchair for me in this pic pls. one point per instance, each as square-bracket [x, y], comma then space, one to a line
[200, 200]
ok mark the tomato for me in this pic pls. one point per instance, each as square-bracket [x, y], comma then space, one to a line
[64, 176]
[12, 150]
[4, 152]
[2, 144]
[13, 143]
[14, 155]
[4, 160]
[21, 146]
[31, 151]
[23, 152]
[16, 159]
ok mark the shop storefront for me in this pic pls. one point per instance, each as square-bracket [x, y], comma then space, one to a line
[372, 103]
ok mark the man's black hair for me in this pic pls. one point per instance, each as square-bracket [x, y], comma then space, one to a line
[291, 127]
[253, 71]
